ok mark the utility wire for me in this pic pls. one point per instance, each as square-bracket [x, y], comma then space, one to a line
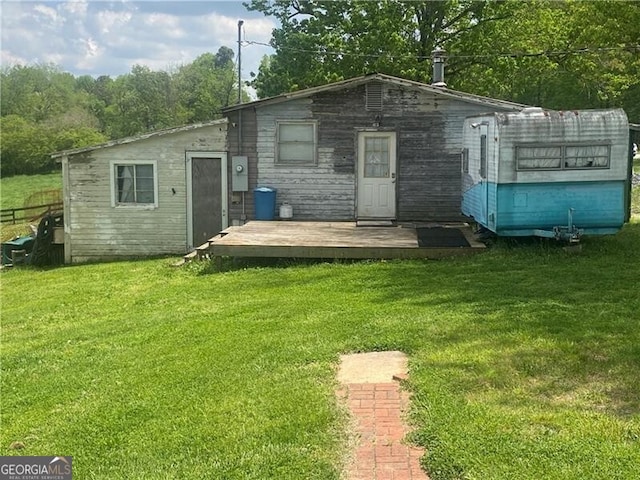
[579, 51]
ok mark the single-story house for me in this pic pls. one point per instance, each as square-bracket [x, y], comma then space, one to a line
[372, 147]
[158, 193]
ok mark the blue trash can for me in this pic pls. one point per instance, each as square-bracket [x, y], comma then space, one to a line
[265, 203]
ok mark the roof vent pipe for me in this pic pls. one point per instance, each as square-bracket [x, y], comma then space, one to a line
[438, 55]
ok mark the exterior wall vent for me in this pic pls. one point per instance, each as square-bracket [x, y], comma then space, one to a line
[374, 96]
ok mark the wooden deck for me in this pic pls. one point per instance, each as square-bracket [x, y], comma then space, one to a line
[290, 239]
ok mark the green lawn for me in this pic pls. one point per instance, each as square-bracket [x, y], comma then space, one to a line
[524, 363]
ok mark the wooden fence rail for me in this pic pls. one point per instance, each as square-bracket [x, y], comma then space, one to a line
[10, 215]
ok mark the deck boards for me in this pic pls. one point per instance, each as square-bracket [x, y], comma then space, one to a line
[329, 240]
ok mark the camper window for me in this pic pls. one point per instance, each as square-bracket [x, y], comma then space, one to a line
[296, 143]
[562, 157]
[483, 156]
[465, 160]
[588, 156]
[539, 158]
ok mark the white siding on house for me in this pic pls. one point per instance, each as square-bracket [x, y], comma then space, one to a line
[94, 229]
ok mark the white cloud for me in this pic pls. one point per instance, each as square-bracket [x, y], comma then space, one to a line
[47, 15]
[8, 58]
[165, 25]
[78, 8]
[109, 20]
[108, 38]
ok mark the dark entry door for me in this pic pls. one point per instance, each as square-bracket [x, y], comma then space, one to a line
[206, 195]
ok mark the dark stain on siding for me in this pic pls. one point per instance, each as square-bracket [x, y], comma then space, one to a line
[428, 162]
[428, 186]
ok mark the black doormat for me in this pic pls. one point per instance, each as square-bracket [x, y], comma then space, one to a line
[441, 237]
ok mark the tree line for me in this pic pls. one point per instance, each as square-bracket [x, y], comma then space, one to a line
[44, 109]
[560, 55]
[555, 54]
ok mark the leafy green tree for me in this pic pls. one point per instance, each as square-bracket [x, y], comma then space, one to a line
[26, 147]
[206, 85]
[35, 92]
[42, 112]
[224, 58]
[140, 101]
[323, 41]
[562, 55]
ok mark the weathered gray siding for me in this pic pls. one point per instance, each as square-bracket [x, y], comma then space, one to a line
[430, 151]
[94, 229]
[429, 132]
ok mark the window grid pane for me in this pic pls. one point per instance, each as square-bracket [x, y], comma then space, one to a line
[135, 184]
[294, 132]
[125, 184]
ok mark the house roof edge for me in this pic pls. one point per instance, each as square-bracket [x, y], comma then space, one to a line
[144, 136]
[356, 81]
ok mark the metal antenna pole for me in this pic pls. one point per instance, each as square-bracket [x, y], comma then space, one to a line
[240, 23]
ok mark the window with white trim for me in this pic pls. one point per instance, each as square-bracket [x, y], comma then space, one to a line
[134, 184]
[562, 157]
[296, 143]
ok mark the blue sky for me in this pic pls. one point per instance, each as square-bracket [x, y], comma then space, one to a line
[89, 37]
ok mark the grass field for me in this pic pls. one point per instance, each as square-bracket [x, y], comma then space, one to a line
[524, 363]
[14, 191]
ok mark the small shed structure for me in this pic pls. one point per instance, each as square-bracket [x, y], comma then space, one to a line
[369, 148]
[158, 193]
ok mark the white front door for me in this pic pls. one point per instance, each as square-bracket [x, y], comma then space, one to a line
[377, 175]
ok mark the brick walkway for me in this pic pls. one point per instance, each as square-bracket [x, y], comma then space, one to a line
[381, 454]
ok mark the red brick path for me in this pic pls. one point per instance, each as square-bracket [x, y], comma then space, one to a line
[381, 453]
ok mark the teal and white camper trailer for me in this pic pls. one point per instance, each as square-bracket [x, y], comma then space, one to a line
[547, 173]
